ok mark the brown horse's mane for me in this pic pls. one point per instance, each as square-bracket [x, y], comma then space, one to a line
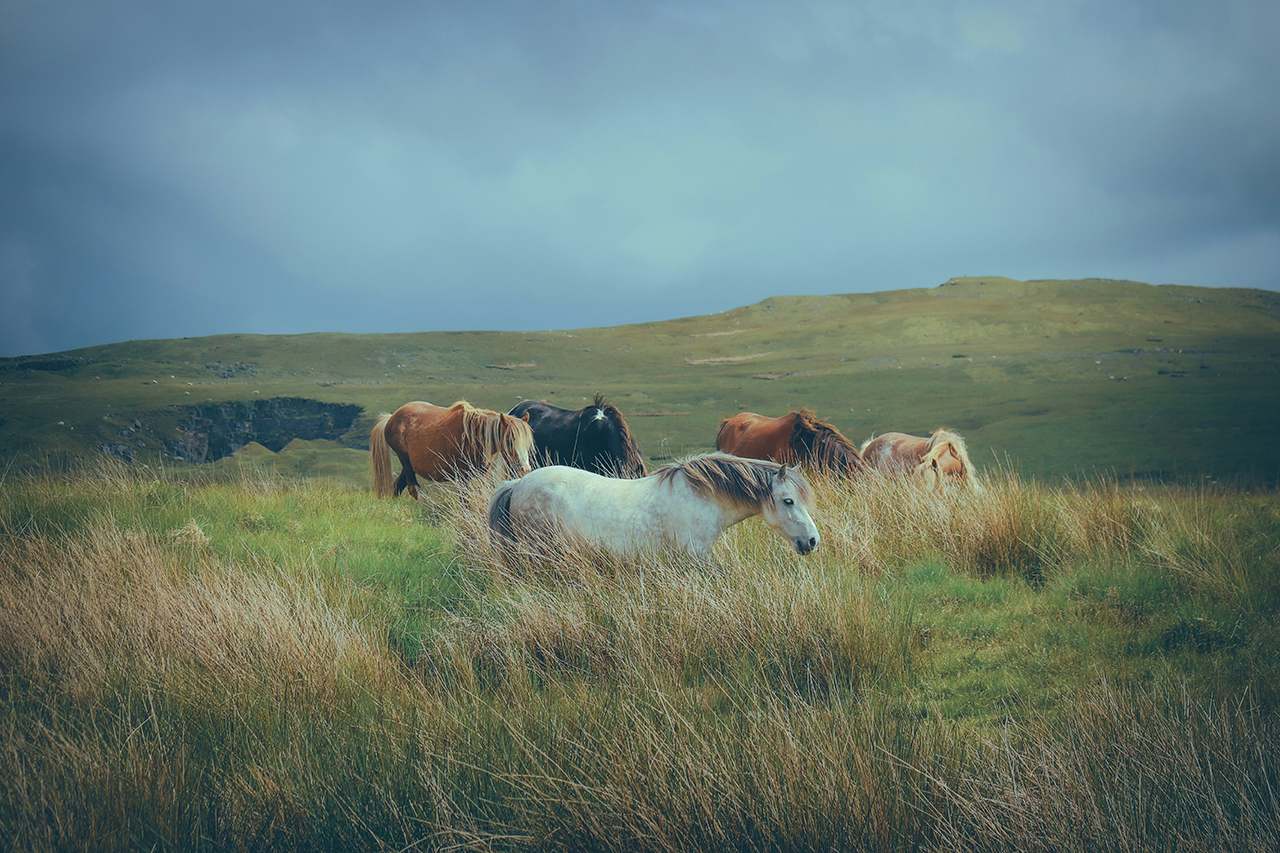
[821, 445]
[484, 430]
[733, 478]
[630, 447]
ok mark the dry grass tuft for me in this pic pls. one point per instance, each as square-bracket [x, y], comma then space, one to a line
[115, 607]
[1125, 769]
[1010, 528]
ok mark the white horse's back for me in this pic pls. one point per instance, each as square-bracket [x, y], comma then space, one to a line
[626, 516]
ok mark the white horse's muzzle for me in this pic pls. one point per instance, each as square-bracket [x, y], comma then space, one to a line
[806, 544]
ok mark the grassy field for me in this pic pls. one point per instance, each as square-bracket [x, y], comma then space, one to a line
[1053, 378]
[256, 654]
[203, 660]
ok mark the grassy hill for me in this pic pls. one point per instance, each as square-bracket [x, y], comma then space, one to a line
[1057, 377]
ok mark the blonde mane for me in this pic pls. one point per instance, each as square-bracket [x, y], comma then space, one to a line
[942, 439]
[485, 431]
[748, 481]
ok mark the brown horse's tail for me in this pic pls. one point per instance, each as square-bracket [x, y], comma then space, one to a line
[721, 437]
[380, 458]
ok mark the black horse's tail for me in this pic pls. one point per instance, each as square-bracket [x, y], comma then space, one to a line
[500, 514]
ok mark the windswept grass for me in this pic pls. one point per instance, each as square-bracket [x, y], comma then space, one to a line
[281, 665]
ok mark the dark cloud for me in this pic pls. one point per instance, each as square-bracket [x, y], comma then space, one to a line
[187, 169]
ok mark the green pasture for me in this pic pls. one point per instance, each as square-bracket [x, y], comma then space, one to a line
[1054, 378]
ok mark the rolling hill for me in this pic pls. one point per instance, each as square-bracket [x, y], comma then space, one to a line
[1056, 378]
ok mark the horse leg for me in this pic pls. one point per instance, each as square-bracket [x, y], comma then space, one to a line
[407, 478]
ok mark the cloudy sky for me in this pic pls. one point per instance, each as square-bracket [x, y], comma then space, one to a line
[172, 169]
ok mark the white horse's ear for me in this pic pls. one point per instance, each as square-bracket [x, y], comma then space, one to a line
[782, 473]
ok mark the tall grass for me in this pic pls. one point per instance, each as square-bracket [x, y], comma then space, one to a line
[1125, 769]
[204, 666]
[1011, 527]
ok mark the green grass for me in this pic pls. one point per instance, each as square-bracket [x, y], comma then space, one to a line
[203, 662]
[1058, 378]
[340, 532]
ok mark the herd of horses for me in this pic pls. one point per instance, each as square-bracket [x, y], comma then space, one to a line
[580, 474]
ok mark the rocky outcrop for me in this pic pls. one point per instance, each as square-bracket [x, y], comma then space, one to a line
[53, 362]
[123, 451]
[216, 430]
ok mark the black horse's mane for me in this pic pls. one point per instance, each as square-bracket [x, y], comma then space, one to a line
[633, 460]
[558, 431]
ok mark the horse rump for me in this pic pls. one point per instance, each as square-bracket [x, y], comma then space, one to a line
[500, 526]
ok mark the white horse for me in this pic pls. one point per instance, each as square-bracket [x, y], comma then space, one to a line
[682, 506]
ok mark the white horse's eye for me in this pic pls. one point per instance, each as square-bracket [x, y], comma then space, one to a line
[788, 501]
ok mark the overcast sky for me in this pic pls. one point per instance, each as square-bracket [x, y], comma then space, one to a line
[172, 169]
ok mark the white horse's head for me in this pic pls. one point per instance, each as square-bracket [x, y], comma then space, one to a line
[787, 510]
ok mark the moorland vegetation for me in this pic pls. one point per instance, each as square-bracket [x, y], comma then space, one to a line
[256, 653]
[260, 663]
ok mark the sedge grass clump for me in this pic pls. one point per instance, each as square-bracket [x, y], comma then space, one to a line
[1010, 527]
[115, 607]
[1125, 768]
[153, 696]
[1222, 544]
[1006, 528]
[1102, 520]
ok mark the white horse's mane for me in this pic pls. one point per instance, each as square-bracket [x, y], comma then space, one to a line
[732, 478]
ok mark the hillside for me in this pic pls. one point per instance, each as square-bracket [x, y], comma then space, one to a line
[1059, 378]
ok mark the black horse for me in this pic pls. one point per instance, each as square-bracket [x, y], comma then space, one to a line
[595, 438]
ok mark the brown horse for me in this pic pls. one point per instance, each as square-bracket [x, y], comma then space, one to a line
[441, 443]
[796, 438]
[939, 458]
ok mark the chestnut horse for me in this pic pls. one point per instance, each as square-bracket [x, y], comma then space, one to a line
[939, 458]
[441, 443]
[795, 438]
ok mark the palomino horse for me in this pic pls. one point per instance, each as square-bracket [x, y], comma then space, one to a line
[939, 458]
[595, 438]
[682, 506]
[795, 438]
[441, 443]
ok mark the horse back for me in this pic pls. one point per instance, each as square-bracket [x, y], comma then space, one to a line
[894, 452]
[431, 438]
[537, 410]
[757, 437]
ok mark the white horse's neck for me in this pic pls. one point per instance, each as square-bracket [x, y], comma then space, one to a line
[693, 520]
